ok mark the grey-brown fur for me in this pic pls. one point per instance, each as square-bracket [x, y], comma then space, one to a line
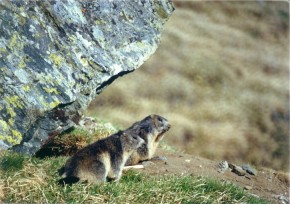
[151, 129]
[102, 160]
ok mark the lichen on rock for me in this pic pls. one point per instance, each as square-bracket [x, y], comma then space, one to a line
[56, 56]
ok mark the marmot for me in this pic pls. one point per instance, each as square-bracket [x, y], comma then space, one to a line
[101, 160]
[151, 129]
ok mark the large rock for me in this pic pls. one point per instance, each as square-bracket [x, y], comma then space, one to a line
[56, 56]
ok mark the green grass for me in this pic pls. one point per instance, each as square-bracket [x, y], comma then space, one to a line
[36, 182]
[11, 162]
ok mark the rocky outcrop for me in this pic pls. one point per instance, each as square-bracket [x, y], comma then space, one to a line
[56, 56]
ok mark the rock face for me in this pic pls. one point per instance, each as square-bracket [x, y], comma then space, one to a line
[56, 56]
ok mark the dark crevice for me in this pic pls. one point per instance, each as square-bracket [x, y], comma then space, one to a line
[62, 105]
[111, 80]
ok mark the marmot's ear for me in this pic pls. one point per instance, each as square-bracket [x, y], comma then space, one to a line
[155, 120]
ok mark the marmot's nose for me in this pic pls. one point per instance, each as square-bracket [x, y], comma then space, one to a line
[168, 126]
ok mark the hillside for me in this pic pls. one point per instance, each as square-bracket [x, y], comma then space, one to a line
[220, 76]
[170, 177]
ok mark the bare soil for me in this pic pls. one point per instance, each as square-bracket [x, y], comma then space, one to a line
[267, 184]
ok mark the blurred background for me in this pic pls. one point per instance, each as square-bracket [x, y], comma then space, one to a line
[220, 76]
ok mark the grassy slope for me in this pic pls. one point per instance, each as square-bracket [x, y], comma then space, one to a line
[220, 76]
[32, 180]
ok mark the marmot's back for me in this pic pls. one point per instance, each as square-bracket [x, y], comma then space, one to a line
[151, 129]
[102, 159]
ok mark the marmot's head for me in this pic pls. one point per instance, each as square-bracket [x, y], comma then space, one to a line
[151, 128]
[162, 125]
[131, 142]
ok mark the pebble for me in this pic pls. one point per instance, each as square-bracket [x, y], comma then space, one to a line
[147, 163]
[238, 170]
[231, 166]
[249, 169]
[283, 199]
[248, 187]
[223, 166]
[159, 158]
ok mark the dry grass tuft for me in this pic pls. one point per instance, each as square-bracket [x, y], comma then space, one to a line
[73, 140]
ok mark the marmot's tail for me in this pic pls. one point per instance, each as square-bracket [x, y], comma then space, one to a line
[68, 180]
